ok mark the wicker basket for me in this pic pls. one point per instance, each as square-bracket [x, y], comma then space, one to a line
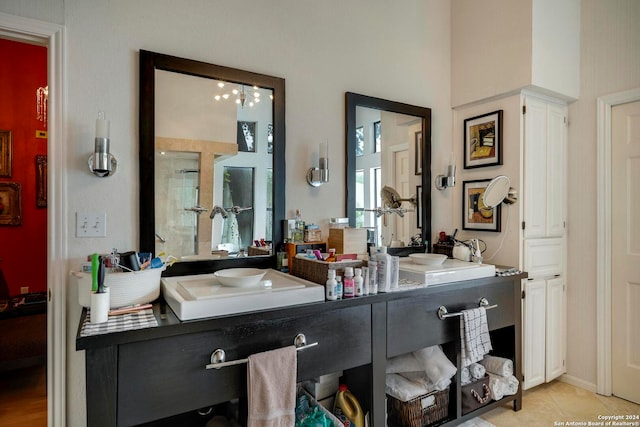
[316, 271]
[412, 414]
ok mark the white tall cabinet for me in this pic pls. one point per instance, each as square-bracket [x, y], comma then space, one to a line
[544, 239]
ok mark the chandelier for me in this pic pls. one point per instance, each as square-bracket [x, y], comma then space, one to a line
[242, 95]
[42, 95]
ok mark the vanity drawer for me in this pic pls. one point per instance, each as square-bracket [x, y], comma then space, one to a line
[413, 323]
[162, 377]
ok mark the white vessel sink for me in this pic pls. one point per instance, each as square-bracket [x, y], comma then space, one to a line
[199, 296]
[452, 270]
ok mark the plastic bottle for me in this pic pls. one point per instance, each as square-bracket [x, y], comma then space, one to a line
[384, 272]
[349, 290]
[339, 291]
[298, 231]
[346, 407]
[365, 280]
[394, 272]
[331, 285]
[373, 277]
[358, 282]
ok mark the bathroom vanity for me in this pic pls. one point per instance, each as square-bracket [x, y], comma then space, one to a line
[146, 375]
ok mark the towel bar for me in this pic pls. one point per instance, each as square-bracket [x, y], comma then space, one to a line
[443, 313]
[218, 356]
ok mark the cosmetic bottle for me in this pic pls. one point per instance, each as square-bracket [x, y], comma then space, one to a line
[331, 285]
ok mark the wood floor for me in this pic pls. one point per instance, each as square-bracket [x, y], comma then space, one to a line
[23, 397]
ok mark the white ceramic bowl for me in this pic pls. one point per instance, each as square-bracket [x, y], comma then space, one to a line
[136, 287]
[239, 277]
[428, 259]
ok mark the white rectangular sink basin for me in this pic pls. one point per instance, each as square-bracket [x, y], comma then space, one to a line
[200, 296]
[451, 270]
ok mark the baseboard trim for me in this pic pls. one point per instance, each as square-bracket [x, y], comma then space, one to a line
[577, 382]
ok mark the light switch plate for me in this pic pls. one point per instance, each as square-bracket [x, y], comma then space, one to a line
[91, 224]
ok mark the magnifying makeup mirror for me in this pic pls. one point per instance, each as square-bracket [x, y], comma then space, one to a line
[496, 192]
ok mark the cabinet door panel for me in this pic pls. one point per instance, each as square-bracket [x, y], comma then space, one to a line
[556, 329]
[413, 323]
[534, 333]
[543, 257]
[556, 170]
[173, 379]
[535, 168]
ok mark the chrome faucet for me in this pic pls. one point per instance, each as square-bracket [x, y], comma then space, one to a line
[218, 210]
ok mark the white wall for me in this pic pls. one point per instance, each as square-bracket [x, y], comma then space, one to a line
[322, 49]
[610, 62]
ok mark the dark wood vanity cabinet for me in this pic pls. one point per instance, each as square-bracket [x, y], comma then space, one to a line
[139, 376]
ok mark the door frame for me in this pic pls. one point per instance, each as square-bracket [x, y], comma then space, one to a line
[53, 37]
[603, 243]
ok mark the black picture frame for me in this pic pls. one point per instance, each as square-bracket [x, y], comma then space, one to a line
[474, 217]
[247, 136]
[483, 140]
[418, 157]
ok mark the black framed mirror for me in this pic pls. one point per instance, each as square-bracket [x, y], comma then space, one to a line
[388, 156]
[208, 176]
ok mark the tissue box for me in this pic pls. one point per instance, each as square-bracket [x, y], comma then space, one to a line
[413, 414]
[348, 240]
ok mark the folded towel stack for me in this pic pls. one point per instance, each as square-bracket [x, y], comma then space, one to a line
[498, 365]
[502, 382]
[422, 371]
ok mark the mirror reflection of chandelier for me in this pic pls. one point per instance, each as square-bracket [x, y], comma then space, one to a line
[42, 95]
[242, 95]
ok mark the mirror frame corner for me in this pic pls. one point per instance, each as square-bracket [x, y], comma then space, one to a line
[150, 62]
[353, 100]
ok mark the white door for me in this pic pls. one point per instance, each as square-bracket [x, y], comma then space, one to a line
[625, 250]
[535, 164]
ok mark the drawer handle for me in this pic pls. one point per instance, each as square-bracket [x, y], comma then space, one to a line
[218, 356]
[443, 313]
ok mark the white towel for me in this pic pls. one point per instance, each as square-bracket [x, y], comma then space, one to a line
[271, 388]
[438, 367]
[403, 363]
[420, 377]
[498, 365]
[474, 332]
[465, 375]
[402, 388]
[509, 383]
[496, 388]
[477, 371]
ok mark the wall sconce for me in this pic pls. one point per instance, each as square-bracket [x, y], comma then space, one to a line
[101, 162]
[448, 180]
[318, 176]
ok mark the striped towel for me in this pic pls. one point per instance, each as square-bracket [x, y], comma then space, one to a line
[474, 335]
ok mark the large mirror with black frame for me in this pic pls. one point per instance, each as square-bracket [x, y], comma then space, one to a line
[211, 162]
[388, 171]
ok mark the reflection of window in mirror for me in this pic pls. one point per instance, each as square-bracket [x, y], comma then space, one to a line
[360, 198]
[268, 231]
[270, 138]
[359, 141]
[377, 137]
[238, 191]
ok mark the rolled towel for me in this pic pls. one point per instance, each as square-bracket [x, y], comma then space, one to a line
[498, 365]
[496, 387]
[403, 363]
[402, 388]
[477, 371]
[438, 367]
[465, 375]
[510, 384]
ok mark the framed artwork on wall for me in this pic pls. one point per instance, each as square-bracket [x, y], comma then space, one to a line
[475, 215]
[41, 181]
[247, 136]
[10, 203]
[483, 140]
[5, 154]
[418, 156]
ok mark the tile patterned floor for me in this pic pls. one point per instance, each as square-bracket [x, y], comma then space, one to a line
[560, 404]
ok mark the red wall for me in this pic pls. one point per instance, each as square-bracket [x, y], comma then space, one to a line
[23, 248]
